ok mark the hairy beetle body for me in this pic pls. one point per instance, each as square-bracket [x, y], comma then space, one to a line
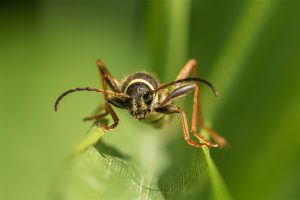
[150, 101]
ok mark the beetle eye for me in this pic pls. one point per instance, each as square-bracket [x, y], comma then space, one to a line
[147, 98]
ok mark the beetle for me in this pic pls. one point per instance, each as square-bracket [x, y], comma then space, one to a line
[151, 101]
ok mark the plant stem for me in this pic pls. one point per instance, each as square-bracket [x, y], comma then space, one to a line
[94, 134]
[220, 191]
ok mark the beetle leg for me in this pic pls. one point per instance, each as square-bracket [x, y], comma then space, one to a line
[187, 136]
[99, 116]
[114, 116]
[169, 109]
[189, 67]
[197, 110]
[107, 78]
[185, 72]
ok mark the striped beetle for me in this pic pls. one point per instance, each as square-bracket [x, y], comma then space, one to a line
[151, 101]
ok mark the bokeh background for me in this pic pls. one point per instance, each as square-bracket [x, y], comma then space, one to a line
[249, 49]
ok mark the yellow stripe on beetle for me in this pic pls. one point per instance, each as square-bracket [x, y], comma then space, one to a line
[138, 81]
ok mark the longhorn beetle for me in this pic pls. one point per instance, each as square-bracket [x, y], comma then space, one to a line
[150, 101]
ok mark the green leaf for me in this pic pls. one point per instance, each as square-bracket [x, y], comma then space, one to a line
[106, 172]
[153, 165]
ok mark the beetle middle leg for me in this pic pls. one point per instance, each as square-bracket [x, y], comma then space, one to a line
[107, 110]
[114, 116]
[169, 109]
[97, 116]
[191, 67]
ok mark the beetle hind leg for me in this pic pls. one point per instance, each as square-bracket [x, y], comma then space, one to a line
[197, 113]
[216, 137]
[191, 67]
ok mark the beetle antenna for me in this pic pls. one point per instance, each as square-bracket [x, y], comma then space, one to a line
[85, 89]
[190, 79]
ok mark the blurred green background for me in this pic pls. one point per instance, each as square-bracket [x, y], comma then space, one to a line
[249, 49]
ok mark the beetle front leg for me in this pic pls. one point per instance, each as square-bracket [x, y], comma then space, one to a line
[107, 78]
